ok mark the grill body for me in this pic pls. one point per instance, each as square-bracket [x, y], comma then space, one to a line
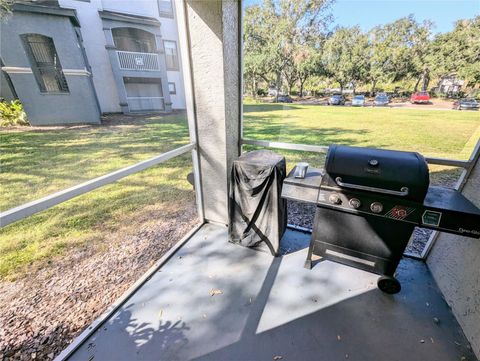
[363, 242]
[368, 205]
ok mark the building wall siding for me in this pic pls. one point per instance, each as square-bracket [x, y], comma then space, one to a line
[94, 43]
[77, 106]
[92, 26]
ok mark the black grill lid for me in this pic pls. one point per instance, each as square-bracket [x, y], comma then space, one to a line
[396, 173]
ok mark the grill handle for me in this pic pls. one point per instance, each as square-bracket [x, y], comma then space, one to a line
[403, 191]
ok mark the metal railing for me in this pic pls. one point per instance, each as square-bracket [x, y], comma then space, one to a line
[323, 149]
[138, 104]
[467, 166]
[131, 60]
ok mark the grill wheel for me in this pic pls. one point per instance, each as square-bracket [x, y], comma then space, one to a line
[389, 285]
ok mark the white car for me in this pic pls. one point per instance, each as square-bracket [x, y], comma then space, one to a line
[358, 101]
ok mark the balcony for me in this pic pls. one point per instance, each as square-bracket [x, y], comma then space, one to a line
[131, 60]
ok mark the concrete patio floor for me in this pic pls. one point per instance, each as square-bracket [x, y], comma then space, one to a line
[217, 301]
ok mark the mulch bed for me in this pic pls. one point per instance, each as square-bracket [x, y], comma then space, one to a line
[45, 310]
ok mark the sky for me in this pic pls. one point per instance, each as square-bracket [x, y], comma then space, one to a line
[370, 13]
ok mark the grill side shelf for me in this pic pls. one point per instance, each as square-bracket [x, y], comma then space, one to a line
[449, 211]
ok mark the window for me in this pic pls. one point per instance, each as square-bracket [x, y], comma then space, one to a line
[136, 40]
[172, 89]
[165, 8]
[171, 56]
[45, 63]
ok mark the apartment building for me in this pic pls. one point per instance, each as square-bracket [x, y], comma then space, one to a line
[69, 61]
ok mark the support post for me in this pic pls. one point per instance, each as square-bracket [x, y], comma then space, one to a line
[213, 31]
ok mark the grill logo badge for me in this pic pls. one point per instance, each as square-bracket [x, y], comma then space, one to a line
[399, 212]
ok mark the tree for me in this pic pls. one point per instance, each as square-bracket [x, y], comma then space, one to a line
[458, 52]
[273, 32]
[345, 56]
[380, 69]
[308, 62]
[399, 51]
[5, 8]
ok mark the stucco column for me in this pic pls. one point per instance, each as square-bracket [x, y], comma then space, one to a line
[214, 39]
[455, 264]
[112, 54]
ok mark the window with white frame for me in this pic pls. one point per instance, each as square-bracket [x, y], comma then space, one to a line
[165, 8]
[172, 89]
[171, 54]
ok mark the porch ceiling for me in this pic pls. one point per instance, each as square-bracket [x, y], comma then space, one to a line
[217, 301]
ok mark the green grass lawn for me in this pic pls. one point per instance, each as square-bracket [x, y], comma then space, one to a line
[434, 133]
[37, 162]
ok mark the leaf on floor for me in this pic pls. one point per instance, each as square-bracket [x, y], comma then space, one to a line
[215, 292]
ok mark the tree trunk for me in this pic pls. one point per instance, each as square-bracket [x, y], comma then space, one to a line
[301, 89]
[374, 83]
[426, 79]
[254, 87]
[416, 84]
[277, 86]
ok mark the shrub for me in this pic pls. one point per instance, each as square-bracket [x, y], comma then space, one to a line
[12, 113]
[262, 92]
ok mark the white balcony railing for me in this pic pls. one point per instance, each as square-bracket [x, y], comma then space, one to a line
[131, 60]
[139, 104]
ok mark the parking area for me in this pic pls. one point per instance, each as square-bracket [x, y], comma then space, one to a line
[403, 103]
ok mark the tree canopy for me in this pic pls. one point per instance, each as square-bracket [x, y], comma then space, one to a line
[288, 43]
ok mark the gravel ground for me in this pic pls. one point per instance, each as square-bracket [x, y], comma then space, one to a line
[43, 312]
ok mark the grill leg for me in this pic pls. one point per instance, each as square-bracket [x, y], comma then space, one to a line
[308, 261]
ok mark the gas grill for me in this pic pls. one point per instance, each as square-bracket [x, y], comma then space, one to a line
[368, 203]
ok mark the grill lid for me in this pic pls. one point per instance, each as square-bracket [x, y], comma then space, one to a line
[395, 173]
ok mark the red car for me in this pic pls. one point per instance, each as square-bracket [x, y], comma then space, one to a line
[420, 97]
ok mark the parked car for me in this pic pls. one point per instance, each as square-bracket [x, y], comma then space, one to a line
[466, 103]
[381, 100]
[420, 98]
[358, 101]
[284, 99]
[336, 99]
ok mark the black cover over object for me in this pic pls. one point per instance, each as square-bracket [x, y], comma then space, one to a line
[257, 212]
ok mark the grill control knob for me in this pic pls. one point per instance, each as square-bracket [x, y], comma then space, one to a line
[354, 203]
[376, 207]
[334, 198]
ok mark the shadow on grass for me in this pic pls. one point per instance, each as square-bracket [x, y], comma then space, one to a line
[268, 107]
[46, 160]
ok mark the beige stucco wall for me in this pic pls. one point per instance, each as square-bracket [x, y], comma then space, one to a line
[214, 38]
[455, 264]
